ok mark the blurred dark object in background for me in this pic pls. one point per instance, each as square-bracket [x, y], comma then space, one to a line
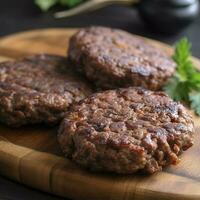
[165, 16]
[16, 16]
[168, 16]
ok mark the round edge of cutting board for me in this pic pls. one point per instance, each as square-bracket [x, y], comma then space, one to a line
[31, 32]
[5, 40]
[21, 36]
[143, 188]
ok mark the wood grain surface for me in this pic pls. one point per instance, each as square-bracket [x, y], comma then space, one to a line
[31, 155]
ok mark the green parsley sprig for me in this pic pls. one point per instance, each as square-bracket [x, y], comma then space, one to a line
[45, 5]
[185, 84]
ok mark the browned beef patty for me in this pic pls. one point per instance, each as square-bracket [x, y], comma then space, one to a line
[113, 58]
[38, 89]
[126, 130]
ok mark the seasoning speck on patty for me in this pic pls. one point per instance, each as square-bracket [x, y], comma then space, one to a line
[113, 58]
[38, 89]
[126, 130]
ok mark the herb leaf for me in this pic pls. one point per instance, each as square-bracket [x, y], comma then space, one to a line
[185, 84]
[44, 5]
[195, 101]
[176, 89]
[182, 59]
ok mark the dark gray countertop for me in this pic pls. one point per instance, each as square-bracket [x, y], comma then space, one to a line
[22, 15]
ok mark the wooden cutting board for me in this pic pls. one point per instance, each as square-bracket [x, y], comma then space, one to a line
[31, 155]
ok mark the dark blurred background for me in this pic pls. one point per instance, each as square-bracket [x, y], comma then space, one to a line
[21, 15]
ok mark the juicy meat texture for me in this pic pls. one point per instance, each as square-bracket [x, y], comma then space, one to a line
[113, 58]
[126, 130]
[38, 89]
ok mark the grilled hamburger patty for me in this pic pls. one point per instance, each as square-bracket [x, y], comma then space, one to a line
[38, 89]
[126, 130]
[114, 58]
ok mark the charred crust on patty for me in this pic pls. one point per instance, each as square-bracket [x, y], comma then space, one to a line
[126, 130]
[38, 89]
[113, 58]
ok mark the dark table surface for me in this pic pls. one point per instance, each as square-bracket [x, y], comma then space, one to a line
[21, 15]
